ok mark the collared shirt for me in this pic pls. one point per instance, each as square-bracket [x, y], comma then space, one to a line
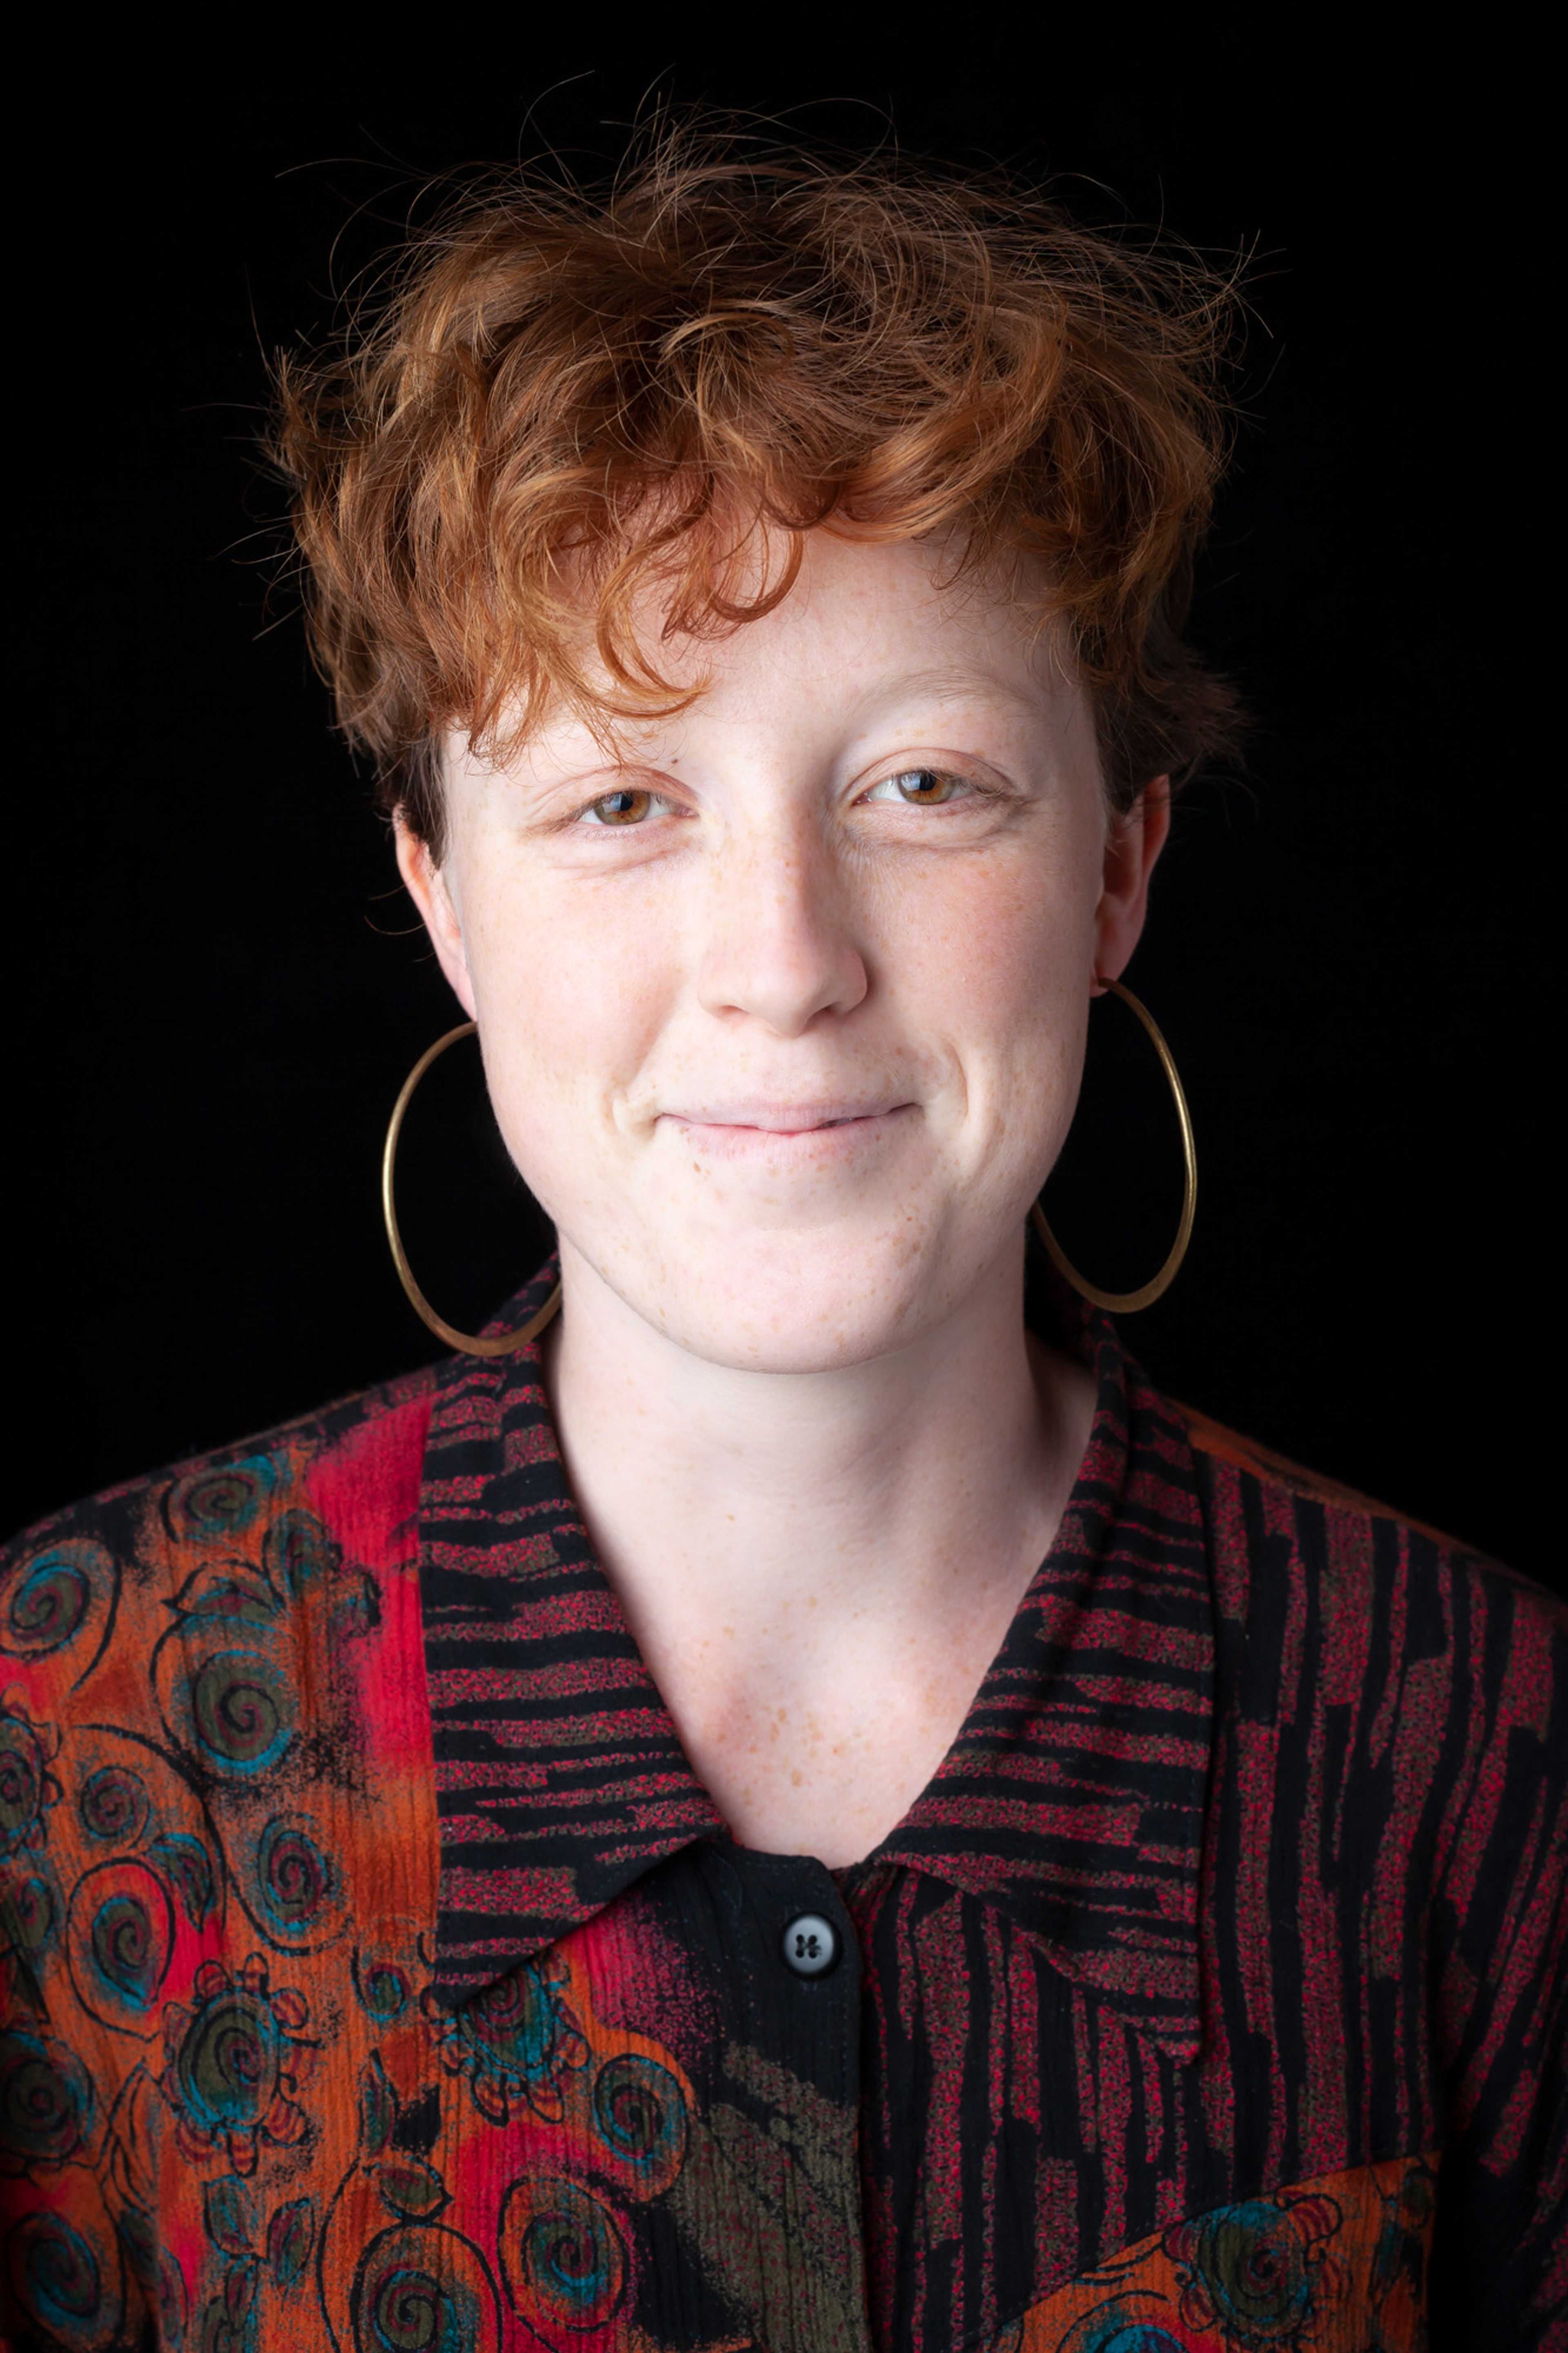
[377, 1975]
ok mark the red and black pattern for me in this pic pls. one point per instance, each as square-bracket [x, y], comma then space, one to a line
[1220, 1811]
[371, 1960]
[559, 1774]
[1390, 1722]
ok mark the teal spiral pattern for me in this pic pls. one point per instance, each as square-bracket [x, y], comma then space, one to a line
[221, 1503]
[297, 1883]
[640, 2110]
[228, 2062]
[47, 2098]
[120, 1939]
[242, 1711]
[58, 2279]
[23, 1777]
[45, 1600]
[411, 2295]
[563, 2253]
[114, 1805]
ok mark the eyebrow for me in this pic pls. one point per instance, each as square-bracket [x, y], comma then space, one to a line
[948, 686]
[938, 685]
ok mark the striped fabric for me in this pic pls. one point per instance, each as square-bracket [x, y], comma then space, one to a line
[1387, 1774]
[376, 1974]
[559, 1774]
[1073, 1796]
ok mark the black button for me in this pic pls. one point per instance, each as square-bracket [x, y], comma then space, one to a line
[811, 1945]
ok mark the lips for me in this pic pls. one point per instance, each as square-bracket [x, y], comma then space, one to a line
[784, 1119]
[775, 1134]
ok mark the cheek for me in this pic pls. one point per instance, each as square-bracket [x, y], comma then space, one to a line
[1001, 955]
[569, 1003]
[1001, 973]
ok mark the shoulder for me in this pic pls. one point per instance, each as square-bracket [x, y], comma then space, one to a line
[1327, 1599]
[1388, 1824]
[1220, 1447]
[226, 1540]
[1243, 1478]
[213, 1744]
[360, 1456]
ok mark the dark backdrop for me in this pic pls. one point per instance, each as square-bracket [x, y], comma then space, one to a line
[218, 994]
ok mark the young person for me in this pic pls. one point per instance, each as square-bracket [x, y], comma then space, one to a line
[782, 1797]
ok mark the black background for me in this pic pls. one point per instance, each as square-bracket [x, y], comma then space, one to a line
[217, 992]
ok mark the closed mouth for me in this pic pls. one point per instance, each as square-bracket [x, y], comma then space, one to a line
[784, 1119]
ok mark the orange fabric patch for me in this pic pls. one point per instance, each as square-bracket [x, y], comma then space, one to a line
[1335, 2265]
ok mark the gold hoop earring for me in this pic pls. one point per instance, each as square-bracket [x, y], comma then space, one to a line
[473, 1343]
[1127, 1303]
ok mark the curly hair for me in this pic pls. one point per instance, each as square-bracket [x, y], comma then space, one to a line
[564, 398]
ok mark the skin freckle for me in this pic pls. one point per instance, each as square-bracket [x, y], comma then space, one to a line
[779, 952]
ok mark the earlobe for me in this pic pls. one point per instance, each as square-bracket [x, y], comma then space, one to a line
[426, 886]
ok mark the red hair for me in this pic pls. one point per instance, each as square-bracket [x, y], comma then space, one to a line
[568, 398]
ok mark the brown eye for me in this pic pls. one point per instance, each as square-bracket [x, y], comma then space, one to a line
[626, 808]
[920, 787]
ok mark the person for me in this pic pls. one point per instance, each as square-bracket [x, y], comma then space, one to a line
[782, 1796]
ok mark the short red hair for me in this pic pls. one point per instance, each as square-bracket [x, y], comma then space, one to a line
[568, 398]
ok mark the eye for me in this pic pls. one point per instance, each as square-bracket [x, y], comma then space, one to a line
[921, 788]
[627, 805]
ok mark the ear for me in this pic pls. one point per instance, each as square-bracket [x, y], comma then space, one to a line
[1133, 845]
[426, 886]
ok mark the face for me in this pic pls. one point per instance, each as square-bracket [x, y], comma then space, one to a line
[783, 1003]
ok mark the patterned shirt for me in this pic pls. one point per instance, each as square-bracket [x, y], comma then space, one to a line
[377, 1975]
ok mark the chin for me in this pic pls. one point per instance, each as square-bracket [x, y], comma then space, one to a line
[813, 1302]
[797, 1343]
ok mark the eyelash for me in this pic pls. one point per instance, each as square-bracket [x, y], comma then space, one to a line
[624, 793]
[963, 789]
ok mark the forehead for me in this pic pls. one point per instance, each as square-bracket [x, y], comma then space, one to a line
[854, 600]
[868, 631]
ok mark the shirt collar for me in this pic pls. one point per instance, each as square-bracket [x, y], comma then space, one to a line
[1074, 1796]
[1072, 1800]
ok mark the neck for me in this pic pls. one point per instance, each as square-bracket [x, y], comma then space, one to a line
[847, 1544]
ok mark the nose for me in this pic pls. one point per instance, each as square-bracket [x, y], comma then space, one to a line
[779, 944]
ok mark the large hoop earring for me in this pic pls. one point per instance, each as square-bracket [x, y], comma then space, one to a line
[1127, 1303]
[473, 1343]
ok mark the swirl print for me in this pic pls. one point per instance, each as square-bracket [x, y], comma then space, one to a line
[34, 1917]
[26, 1785]
[382, 1982]
[421, 2289]
[113, 1805]
[185, 1863]
[515, 2041]
[563, 2255]
[45, 2102]
[220, 1503]
[640, 2110]
[1334, 2264]
[228, 2063]
[45, 1600]
[1257, 2270]
[316, 2036]
[58, 2278]
[120, 1937]
[242, 1711]
[1118, 2329]
[297, 1549]
[297, 1887]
